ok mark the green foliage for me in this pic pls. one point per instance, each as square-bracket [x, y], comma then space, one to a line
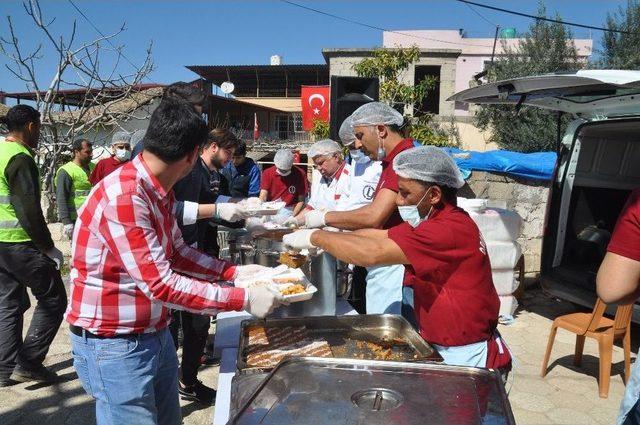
[388, 65]
[429, 132]
[320, 129]
[547, 47]
[622, 51]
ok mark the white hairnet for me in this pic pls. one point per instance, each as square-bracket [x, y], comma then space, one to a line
[346, 133]
[323, 147]
[428, 164]
[283, 159]
[376, 113]
[120, 137]
[137, 137]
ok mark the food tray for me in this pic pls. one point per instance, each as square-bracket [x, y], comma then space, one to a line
[312, 391]
[347, 336]
[265, 208]
[284, 272]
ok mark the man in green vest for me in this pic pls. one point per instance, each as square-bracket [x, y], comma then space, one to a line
[28, 258]
[72, 184]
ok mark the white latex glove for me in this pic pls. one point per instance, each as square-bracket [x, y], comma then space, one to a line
[262, 300]
[56, 255]
[300, 239]
[230, 212]
[68, 230]
[251, 270]
[314, 219]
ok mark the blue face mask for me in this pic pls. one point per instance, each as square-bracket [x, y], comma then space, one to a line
[358, 157]
[410, 213]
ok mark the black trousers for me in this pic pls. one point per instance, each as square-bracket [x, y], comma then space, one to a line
[195, 329]
[358, 298]
[23, 266]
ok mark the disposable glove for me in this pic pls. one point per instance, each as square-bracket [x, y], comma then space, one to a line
[300, 239]
[251, 270]
[262, 300]
[229, 212]
[68, 230]
[56, 255]
[314, 219]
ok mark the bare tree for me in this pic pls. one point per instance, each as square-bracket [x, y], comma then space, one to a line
[99, 91]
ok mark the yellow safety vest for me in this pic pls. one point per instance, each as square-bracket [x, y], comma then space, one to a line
[80, 186]
[10, 228]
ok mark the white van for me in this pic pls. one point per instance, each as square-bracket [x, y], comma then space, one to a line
[598, 166]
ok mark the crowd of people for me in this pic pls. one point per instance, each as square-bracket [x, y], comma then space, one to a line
[146, 265]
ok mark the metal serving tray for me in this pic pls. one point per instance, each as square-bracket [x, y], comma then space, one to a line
[318, 391]
[344, 333]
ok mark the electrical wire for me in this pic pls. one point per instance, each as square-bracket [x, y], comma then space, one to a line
[351, 21]
[86, 18]
[543, 18]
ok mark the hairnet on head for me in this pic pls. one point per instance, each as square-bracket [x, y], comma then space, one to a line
[376, 113]
[324, 147]
[137, 137]
[283, 159]
[346, 133]
[428, 164]
[120, 137]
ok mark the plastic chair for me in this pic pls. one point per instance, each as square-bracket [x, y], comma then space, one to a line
[604, 330]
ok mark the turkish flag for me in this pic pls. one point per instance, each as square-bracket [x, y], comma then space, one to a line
[256, 129]
[315, 105]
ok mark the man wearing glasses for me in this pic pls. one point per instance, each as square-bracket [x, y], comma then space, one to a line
[121, 153]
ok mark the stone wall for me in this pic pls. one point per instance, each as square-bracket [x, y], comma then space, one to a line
[527, 197]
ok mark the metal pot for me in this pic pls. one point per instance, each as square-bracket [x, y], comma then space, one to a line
[268, 247]
[241, 250]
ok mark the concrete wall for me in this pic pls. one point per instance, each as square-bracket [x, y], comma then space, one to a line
[341, 62]
[527, 197]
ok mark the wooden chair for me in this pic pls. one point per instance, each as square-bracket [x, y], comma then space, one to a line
[604, 330]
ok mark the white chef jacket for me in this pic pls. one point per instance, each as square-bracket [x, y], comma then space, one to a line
[326, 193]
[363, 180]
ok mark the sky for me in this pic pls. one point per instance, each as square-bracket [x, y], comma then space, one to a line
[249, 32]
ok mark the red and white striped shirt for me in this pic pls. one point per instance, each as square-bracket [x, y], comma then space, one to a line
[129, 262]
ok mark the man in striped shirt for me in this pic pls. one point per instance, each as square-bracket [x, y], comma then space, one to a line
[131, 265]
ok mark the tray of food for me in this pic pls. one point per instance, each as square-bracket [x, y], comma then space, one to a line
[291, 283]
[264, 343]
[254, 207]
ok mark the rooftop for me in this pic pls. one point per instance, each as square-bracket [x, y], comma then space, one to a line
[265, 80]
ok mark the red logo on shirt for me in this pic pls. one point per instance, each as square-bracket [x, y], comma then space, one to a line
[483, 245]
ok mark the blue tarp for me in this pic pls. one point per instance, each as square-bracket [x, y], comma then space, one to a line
[538, 166]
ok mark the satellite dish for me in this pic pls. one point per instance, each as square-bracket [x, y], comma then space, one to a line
[227, 87]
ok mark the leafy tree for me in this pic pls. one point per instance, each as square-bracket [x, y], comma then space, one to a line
[546, 47]
[388, 65]
[320, 129]
[622, 51]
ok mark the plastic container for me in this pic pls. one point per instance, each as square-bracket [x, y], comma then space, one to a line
[505, 281]
[508, 305]
[503, 255]
[495, 224]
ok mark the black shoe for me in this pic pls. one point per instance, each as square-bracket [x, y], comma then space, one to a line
[209, 359]
[198, 392]
[7, 382]
[41, 374]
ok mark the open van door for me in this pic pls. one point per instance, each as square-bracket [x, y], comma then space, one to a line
[587, 93]
[596, 171]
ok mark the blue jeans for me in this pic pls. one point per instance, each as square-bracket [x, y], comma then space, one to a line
[134, 379]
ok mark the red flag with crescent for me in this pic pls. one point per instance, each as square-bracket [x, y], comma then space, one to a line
[315, 105]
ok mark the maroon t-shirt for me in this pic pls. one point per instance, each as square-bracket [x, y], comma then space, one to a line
[455, 301]
[389, 179]
[626, 236]
[104, 167]
[285, 188]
